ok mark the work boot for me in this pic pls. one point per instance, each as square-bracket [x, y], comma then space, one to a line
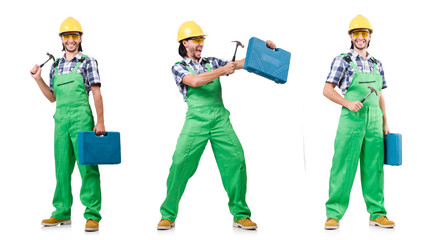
[165, 224]
[91, 225]
[331, 224]
[246, 224]
[383, 222]
[54, 222]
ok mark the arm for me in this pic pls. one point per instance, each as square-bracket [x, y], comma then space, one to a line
[35, 72]
[100, 127]
[206, 77]
[331, 94]
[383, 108]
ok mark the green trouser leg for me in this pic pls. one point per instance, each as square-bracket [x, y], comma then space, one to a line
[229, 156]
[68, 122]
[228, 152]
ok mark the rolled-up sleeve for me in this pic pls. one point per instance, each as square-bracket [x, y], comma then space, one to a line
[337, 72]
[92, 72]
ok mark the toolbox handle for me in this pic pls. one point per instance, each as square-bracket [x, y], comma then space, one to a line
[104, 135]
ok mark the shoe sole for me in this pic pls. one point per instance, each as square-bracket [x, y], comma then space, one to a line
[375, 224]
[166, 227]
[237, 225]
[91, 229]
[67, 222]
[331, 227]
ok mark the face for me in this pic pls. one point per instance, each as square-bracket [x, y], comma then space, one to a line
[194, 47]
[359, 39]
[71, 41]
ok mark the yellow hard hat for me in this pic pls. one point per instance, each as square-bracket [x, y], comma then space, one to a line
[189, 29]
[360, 22]
[70, 25]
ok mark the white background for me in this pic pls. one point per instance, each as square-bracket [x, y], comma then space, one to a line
[135, 45]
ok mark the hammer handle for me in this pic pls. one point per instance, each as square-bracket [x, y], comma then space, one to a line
[44, 63]
[364, 99]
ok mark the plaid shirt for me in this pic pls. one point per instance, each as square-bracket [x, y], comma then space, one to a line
[179, 71]
[88, 69]
[342, 72]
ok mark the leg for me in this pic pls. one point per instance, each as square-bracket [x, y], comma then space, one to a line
[90, 194]
[64, 165]
[190, 147]
[229, 156]
[372, 172]
[347, 148]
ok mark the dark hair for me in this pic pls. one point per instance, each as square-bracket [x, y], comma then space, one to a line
[80, 44]
[182, 49]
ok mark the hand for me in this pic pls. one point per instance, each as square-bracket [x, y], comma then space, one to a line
[271, 44]
[386, 129]
[354, 106]
[230, 68]
[35, 72]
[99, 129]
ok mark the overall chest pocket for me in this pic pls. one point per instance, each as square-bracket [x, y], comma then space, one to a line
[64, 83]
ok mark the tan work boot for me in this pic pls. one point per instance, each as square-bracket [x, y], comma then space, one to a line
[53, 222]
[91, 225]
[383, 222]
[246, 224]
[331, 224]
[165, 224]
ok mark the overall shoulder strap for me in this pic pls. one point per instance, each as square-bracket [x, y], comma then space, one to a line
[348, 59]
[186, 66]
[80, 61]
[374, 61]
[207, 64]
[55, 65]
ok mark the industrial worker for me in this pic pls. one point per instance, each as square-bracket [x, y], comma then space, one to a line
[360, 130]
[71, 79]
[207, 119]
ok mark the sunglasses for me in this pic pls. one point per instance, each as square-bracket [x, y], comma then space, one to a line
[68, 36]
[197, 40]
[362, 33]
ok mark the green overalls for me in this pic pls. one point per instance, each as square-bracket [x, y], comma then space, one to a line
[73, 114]
[207, 119]
[359, 137]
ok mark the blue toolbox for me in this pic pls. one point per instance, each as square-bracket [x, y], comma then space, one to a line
[94, 150]
[393, 149]
[266, 62]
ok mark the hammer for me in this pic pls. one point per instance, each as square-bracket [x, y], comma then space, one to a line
[238, 43]
[50, 57]
[371, 91]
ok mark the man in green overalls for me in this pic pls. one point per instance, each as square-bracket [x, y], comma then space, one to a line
[360, 130]
[71, 79]
[206, 119]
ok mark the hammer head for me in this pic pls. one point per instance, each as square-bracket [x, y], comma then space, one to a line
[238, 43]
[373, 90]
[50, 56]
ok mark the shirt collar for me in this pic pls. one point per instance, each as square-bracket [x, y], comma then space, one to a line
[188, 60]
[355, 54]
[77, 56]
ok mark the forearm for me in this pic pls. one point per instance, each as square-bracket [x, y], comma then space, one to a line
[330, 93]
[383, 107]
[203, 78]
[99, 104]
[240, 64]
